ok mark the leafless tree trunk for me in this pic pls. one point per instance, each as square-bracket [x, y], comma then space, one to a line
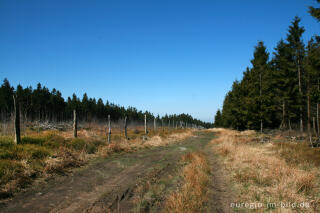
[17, 138]
[309, 115]
[145, 124]
[290, 127]
[154, 124]
[314, 126]
[109, 129]
[283, 122]
[125, 127]
[318, 127]
[75, 124]
[260, 84]
[300, 93]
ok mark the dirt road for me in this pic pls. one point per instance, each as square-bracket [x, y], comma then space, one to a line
[110, 185]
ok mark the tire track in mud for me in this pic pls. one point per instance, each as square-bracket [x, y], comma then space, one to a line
[106, 184]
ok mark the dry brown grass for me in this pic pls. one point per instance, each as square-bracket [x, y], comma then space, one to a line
[296, 153]
[192, 195]
[45, 153]
[266, 172]
[154, 139]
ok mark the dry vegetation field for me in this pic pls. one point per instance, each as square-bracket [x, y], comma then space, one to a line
[167, 172]
[45, 153]
[273, 175]
[170, 170]
[192, 195]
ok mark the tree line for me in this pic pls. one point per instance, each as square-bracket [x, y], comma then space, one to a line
[42, 105]
[281, 91]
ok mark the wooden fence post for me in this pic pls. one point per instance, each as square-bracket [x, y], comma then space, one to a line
[125, 128]
[75, 124]
[17, 138]
[145, 124]
[109, 129]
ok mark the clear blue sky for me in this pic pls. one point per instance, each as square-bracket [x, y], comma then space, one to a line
[165, 56]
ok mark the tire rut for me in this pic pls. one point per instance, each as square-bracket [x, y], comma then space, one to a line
[102, 185]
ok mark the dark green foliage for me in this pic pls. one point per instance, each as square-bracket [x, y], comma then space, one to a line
[6, 101]
[269, 92]
[285, 84]
[8, 170]
[25, 161]
[6, 142]
[32, 140]
[250, 101]
[312, 67]
[82, 145]
[54, 141]
[42, 105]
[218, 119]
[25, 151]
[315, 12]
[40, 153]
[78, 144]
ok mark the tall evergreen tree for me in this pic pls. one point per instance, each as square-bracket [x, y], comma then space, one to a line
[6, 100]
[312, 67]
[285, 84]
[218, 119]
[259, 93]
[297, 51]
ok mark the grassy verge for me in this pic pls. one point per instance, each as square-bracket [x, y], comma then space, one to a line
[192, 195]
[44, 153]
[39, 155]
[270, 176]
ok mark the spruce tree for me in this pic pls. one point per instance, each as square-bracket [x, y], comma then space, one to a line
[259, 92]
[285, 84]
[218, 119]
[312, 67]
[315, 12]
[296, 47]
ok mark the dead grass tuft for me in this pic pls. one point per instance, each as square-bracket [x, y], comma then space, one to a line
[192, 195]
[65, 158]
[269, 172]
[296, 153]
[306, 183]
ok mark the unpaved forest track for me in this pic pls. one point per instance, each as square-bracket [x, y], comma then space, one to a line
[220, 192]
[107, 185]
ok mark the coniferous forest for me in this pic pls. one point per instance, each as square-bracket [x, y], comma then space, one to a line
[42, 105]
[279, 90]
[85, 153]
